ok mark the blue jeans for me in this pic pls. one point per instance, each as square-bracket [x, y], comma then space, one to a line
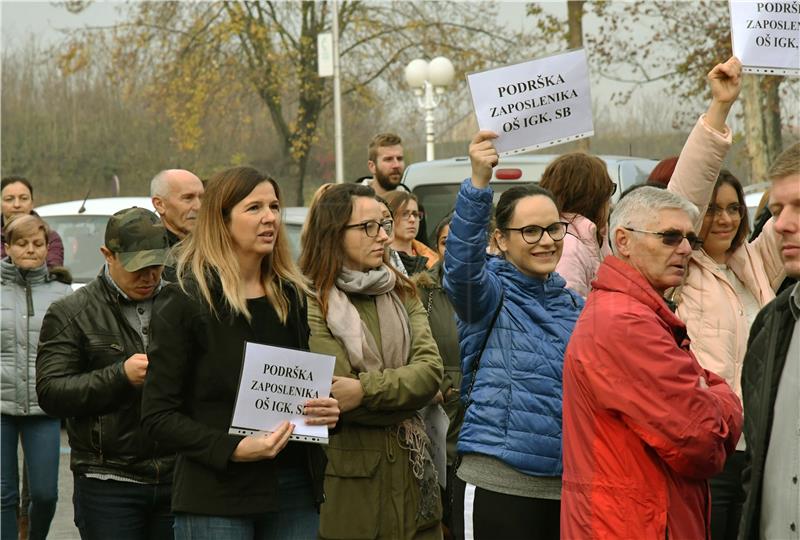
[295, 519]
[41, 441]
[122, 510]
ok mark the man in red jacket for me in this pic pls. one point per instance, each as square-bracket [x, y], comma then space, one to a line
[644, 425]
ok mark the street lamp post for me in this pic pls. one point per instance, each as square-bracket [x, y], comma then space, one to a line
[429, 81]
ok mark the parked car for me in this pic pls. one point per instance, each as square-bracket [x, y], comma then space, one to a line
[83, 231]
[436, 183]
[82, 225]
[752, 196]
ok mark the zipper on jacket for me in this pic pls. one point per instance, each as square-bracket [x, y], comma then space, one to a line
[29, 301]
[29, 297]
[100, 437]
[155, 462]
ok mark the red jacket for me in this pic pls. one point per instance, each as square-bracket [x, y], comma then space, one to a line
[644, 424]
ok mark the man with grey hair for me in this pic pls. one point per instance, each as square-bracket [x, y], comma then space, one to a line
[176, 195]
[644, 425]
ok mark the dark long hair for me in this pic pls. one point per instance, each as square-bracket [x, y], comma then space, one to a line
[504, 211]
[322, 258]
[726, 177]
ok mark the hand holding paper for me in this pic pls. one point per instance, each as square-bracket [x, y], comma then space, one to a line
[483, 156]
[725, 82]
[263, 446]
[348, 391]
[323, 412]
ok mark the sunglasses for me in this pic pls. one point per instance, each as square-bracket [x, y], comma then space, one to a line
[673, 238]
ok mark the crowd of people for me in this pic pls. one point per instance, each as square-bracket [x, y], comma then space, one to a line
[608, 372]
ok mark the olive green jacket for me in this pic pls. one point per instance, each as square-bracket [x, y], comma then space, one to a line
[369, 486]
[442, 319]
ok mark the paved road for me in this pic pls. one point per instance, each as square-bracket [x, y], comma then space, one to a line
[63, 527]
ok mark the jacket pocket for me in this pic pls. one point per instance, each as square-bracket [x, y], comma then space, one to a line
[352, 491]
[104, 350]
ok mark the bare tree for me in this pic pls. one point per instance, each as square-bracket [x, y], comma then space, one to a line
[195, 56]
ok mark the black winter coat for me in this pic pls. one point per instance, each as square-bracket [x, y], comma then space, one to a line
[767, 347]
[189, 395]
[80, 376]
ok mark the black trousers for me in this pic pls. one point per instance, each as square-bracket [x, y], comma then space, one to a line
[480, 514]
[727, 498]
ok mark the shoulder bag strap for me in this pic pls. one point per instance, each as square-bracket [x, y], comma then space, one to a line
[483, 347]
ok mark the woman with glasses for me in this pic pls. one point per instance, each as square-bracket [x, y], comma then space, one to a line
[415, 255]
[729, 280]
[582, 189]
[515, 317]
[394, 257]
[237, 283]
[380, 481]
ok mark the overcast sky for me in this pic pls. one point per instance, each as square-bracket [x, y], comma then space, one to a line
[46, 19]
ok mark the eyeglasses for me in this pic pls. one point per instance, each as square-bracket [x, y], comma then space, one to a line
[532, 234]
[372, 227]
[673, 238]
[733, 210]
[418, 215]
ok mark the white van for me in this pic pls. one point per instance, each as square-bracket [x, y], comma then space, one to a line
[82, 227]
[436, 183]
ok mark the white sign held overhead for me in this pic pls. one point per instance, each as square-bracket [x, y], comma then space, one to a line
[325, 54]
[766, 36]
[274, 385]
[534, 104]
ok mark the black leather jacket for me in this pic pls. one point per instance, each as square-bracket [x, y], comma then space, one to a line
[80, 376]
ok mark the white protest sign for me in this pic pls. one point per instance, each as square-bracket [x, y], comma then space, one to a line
[766, 36]
[274, 385]
[534, 104]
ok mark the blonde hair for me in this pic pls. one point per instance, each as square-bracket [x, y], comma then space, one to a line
[209, 250]
[23, 225]
[786, 164]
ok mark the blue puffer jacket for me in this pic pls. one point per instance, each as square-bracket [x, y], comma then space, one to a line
[514, 411]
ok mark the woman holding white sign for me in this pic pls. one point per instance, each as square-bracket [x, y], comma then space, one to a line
[729, 280]
[380, 481]
[237, 283]
[515, 317]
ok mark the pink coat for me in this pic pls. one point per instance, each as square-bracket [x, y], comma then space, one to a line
[707, 302]
[582, 254]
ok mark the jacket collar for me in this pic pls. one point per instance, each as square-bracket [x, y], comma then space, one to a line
[506, 270]
[11, 273]
[618, 276]
[794, 301]
[118, 294]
